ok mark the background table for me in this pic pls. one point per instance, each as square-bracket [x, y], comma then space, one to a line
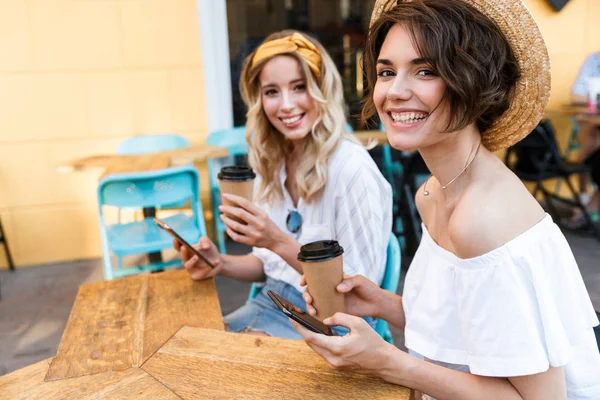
[115, 163]
[372, 138]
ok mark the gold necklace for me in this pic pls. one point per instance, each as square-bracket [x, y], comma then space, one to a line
[426, 193]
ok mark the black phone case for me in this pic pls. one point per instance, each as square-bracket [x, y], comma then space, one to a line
[273, 296]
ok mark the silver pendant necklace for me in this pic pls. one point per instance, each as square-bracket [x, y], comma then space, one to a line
[426, 193]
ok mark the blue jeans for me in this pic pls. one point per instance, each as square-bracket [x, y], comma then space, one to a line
[262, 315]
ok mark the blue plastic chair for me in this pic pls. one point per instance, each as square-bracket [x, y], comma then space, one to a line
[144, 144]
[234, 140]
[391, 280]
[148, 189]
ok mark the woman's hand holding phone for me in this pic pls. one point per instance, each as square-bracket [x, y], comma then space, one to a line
[362, 350]
[196, 267]
[362, 298]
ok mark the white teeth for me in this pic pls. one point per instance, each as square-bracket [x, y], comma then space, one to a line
[291, 120]
[408, 117]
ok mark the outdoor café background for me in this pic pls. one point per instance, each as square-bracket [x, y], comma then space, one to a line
[79, 76]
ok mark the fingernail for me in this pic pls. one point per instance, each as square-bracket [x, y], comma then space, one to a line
[342, 286]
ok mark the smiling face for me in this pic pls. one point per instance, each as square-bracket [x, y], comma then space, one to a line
[408, 95]
[285, 98]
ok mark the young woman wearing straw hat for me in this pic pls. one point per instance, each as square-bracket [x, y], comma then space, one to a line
[314, 182]
[494, 306]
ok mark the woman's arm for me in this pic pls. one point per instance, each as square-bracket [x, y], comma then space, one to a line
[259, 230]
[364, 351]
[248, 268]
[288, 248]
[447, 384]
[391, 310]
[245, 268]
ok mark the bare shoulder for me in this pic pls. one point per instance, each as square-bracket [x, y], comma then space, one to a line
[494, 210]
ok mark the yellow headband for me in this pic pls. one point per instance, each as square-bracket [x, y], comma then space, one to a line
[295, 43]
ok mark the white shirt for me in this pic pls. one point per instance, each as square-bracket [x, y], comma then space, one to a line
[513, 311]
[355, 208]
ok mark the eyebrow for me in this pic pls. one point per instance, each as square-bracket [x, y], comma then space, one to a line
[416, 61]
[291, 83]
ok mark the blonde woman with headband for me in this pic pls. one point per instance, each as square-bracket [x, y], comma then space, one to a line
[493, 305]
[314, 182]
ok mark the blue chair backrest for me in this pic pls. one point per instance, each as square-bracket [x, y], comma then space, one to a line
[144, 144]
[149, 188]
[234, 139]
[391, 278]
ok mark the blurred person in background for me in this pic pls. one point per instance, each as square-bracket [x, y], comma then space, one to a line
[589, 137]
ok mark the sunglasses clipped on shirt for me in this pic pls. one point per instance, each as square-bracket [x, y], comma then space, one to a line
[293, 222]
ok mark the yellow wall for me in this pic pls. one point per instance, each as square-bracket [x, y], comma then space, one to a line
[570, 35]
[76, 78]
[79, 76]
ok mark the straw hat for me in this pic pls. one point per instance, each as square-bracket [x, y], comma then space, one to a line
[532, 89]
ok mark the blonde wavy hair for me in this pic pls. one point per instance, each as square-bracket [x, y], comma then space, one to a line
[269, 148]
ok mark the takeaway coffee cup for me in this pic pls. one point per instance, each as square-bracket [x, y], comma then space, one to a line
[237, 180]
[322, 264]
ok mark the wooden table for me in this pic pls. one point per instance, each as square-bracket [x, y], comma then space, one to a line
[581, 113]
[372, 138]
[115, 163]
[148, 337]
[593, 119]
[118, 324]
[133, 383]
[565, 110]
[199, 363]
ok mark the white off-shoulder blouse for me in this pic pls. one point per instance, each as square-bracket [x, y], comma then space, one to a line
[513, 311]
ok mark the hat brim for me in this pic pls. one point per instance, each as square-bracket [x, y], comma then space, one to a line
[532, 91]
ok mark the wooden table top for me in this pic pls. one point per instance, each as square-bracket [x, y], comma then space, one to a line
[198, 363]
[115, 163]
[133, 383]
[204, 363]
[118, 324]
[160, 336]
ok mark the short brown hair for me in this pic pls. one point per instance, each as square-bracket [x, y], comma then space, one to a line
[465, 48]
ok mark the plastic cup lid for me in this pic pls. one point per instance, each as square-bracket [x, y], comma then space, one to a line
[236, 173]
[321, 250]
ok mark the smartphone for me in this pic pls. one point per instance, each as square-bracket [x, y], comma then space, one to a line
[180, 240]
[300, 316]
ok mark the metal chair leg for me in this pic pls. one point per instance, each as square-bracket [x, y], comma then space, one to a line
[595, 229]
[11, 264]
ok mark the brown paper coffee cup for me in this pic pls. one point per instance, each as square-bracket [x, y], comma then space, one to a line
[237, 180]
[322, 264]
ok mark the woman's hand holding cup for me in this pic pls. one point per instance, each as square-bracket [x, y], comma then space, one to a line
[248, 224]
[362, 297]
